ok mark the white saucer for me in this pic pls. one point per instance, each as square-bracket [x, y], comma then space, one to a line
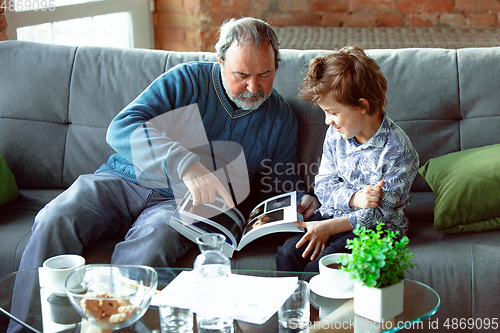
[318, 287]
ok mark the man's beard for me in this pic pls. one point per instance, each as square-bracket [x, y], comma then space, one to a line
[241, 100]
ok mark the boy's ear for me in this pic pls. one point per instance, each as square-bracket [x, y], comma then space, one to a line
[365, 105]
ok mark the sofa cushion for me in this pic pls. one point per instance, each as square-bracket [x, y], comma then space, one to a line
[465, 185]
[16, 220]
[8, 186]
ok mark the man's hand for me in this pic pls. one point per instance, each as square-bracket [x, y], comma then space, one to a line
[368, 198]
[307, 206]
[203, 185]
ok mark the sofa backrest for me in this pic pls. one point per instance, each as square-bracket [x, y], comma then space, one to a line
[57, 101]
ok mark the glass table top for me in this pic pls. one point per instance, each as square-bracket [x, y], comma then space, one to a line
[420, 302]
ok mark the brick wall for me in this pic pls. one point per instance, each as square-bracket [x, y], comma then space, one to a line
[192, 25]
[3, 25]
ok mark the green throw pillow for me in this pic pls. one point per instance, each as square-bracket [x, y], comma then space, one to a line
[8, 186]
[466, 187]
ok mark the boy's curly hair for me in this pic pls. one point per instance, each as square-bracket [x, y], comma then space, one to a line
[350, 74]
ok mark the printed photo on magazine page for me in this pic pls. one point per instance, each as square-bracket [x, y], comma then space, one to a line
[276, 214]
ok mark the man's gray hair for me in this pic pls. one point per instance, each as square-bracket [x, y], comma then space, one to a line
[246, 30]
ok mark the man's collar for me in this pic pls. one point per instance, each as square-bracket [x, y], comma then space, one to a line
[221, 94]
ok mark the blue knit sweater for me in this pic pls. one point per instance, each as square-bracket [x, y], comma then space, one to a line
[186, 107]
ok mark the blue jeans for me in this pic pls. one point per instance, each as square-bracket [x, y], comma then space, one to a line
[102, 206]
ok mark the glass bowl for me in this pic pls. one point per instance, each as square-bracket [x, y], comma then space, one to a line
[111, 296]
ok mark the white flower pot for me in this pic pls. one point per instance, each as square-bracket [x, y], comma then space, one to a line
[378, 304]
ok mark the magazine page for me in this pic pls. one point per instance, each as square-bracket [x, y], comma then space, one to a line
[276, 214]
[214, 217]
[193, 228]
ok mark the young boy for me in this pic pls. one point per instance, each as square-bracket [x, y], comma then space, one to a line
[368, 162]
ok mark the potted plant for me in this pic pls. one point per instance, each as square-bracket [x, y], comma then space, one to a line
[379, 261]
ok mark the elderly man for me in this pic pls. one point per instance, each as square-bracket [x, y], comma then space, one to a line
[133, 194]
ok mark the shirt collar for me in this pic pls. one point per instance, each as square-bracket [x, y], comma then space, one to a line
[378, 140]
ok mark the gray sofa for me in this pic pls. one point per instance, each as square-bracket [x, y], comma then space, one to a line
[57, 101]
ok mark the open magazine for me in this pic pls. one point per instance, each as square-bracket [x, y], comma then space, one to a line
[276, 214]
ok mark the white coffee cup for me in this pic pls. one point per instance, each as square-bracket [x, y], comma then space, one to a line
[334, 277]
[56, 270]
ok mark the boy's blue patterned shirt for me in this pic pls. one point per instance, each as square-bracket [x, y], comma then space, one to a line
[347, 168]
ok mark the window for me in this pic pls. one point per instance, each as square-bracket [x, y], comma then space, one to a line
[118, 23]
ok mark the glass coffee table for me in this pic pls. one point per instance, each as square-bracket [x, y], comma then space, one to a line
[327, 314]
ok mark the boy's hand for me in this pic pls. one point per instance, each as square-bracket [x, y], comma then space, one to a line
[317, 234]
[307, 206]
[368, 198]
[203, 185]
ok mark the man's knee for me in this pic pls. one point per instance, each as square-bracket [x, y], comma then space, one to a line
[154, 245]
[49, 217]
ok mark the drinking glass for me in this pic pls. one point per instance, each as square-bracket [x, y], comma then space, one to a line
[212, 241]
[293, 316]
[176, 315]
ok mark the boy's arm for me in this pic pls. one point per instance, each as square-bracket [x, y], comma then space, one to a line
[369, 197]
[318, 233]
[328, 180]
[397, 182]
